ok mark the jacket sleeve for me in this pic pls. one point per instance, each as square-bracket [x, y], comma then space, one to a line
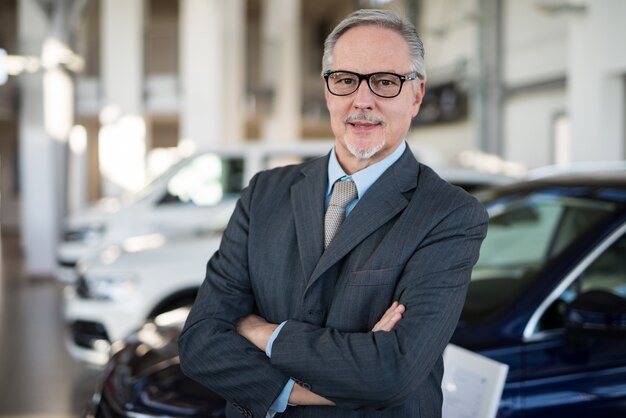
[211, 351]
[382, 369]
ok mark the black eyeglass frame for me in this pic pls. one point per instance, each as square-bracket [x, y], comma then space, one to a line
[409, 77]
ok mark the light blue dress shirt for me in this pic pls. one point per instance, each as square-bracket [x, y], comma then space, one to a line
[363, 180]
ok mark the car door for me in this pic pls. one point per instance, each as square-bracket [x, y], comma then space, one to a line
[577, 377]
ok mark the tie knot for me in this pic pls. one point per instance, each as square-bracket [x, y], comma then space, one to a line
[344, 192]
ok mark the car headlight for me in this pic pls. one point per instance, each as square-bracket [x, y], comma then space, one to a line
[117, 287]
[86, 233]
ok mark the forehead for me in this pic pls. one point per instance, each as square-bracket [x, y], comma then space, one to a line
[371, 48]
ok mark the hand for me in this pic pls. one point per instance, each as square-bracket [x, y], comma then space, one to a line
[256, 330]
[302, 396]
[390, 318]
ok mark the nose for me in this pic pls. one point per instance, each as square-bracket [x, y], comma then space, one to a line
[364, 98]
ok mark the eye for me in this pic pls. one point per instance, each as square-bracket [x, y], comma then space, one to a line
[386, 81]
[343, 79]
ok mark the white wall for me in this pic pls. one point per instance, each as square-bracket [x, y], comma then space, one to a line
[534, 53]
[529, 126]
[449, 31]
[596, 71]
[535, 43]
[450, 34]
[441, 144]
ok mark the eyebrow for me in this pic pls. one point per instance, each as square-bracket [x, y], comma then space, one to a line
[373, 72]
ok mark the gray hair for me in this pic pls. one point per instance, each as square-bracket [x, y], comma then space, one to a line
[382, 18]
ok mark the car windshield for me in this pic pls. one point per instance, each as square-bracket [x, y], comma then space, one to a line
[205, 181]
[526, 231]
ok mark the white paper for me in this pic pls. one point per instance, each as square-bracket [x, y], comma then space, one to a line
[472, 384]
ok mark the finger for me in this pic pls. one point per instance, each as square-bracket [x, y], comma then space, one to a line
[390, 324]
[401, 309]
[390, 318]
[388, 313]
[395, 316]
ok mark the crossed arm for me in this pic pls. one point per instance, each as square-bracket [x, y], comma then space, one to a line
[258, 331]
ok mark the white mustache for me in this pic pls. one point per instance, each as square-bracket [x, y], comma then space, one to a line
[362, 117]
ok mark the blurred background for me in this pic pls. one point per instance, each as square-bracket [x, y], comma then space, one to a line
[98, 97]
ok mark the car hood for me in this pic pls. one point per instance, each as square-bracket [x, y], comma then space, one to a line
[144, 376]
[158, 252]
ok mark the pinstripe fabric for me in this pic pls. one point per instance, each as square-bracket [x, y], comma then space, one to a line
[344, 192]
[412, 238]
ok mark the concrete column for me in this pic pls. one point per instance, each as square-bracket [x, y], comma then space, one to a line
[282, 72]
[205, 53]
[234, 68]
[595, 78]
[489, 88]
[77, 170]
[122, 136]
[40, 168]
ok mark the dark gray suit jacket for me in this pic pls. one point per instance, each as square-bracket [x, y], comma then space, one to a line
[412, 237]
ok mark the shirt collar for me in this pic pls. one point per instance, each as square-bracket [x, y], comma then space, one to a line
[364, 178]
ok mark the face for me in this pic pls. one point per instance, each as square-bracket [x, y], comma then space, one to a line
[367, 128]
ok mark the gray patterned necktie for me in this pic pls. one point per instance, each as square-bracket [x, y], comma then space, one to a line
[344, 192]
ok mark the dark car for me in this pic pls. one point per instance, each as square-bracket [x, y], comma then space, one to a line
[547, 297]
[143, 377]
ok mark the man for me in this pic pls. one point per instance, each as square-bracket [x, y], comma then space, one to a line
[306, 314]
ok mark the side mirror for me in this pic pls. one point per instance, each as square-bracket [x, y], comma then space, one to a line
[597, 313]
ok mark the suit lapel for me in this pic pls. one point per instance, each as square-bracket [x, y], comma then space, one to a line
[307, 199]
[382, 202]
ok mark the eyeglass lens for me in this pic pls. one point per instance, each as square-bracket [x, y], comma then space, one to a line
[383, 84]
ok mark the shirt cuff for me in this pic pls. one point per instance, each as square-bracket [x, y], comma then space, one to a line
[280, 404]
[268, 349]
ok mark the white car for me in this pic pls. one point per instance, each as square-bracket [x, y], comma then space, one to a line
[126, 284]
[151, 257]
[196, 195]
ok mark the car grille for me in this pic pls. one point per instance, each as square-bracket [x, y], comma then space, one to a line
[66, 263]
[85, 333]
[70, 236]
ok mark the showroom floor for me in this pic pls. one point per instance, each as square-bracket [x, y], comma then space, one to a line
[37, 376]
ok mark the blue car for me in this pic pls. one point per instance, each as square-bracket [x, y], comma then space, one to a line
[547, 297]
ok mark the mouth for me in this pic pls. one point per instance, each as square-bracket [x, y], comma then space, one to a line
[363, 125]
[363, 122]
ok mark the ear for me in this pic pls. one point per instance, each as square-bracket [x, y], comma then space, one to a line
[419, 95]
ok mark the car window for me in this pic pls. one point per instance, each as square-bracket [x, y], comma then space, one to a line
[607, 273]
[526, 232]
[205, 181]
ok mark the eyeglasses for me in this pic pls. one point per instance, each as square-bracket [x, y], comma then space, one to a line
[387, 85]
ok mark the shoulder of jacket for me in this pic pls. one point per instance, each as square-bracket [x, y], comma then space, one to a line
[437, 188]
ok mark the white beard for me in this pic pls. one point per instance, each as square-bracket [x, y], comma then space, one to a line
[365, 154]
